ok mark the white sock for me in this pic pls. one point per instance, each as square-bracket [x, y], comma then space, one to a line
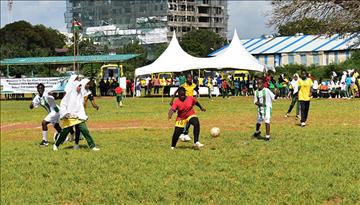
[45, 135]
[267, 136]
[257, 131]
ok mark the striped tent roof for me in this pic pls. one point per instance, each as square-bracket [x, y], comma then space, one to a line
[302, 43]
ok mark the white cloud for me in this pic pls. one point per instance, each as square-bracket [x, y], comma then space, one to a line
[49, 13]
[249, 18]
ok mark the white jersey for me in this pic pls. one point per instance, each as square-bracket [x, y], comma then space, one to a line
[46, 101]
[295, 86]
[265, 97]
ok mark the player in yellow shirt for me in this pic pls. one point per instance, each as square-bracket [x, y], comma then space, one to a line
[305, 86]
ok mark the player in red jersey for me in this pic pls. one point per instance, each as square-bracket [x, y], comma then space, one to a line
[185, 115]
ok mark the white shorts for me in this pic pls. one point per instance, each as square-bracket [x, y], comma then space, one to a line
[264, 116]
[53, 117]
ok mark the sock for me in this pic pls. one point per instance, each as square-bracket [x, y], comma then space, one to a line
[257, 131]
[267, 136]
[44, 135]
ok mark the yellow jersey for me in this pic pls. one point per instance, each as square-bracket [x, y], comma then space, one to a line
[189, 88]
[304, 89]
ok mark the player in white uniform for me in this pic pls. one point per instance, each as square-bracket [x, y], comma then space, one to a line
[48, 102]
[263, 99]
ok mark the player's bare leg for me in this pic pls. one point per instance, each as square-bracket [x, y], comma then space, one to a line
[44, 133]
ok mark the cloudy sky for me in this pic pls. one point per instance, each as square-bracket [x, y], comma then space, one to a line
[248, 17]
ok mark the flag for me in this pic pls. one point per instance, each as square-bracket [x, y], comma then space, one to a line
[77, 25]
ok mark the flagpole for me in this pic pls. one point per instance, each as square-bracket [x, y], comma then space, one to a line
[74, 49]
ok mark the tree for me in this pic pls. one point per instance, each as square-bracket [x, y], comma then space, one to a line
[309, 26]
[337, 16]
[21, 39]
[200, 43]
[131, 65]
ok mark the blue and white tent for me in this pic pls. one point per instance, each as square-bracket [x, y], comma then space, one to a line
[298, 43]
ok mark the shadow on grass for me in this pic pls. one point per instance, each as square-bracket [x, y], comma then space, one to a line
[72, 147]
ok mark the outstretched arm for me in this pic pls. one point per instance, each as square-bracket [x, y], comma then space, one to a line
[201, 107]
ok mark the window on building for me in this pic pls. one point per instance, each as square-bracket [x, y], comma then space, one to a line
[291, 59]
[204, 19]
[265, 59]
[203, 10]
[336, 57]
[303, 58]
[205, 1]
[316, 58]
[155, 7]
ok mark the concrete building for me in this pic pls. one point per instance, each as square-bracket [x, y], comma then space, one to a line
[117, 22]
[300, 49]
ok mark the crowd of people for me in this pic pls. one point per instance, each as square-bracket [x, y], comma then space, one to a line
[344, 86]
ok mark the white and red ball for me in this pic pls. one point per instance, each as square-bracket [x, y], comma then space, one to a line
[215, 132]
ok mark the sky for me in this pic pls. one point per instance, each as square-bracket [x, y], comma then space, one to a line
[247, 17]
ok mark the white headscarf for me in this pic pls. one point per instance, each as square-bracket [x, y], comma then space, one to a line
[83, 83]
[70, 82]
[72, 105]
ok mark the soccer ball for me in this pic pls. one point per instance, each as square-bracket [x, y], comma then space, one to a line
[215, 132]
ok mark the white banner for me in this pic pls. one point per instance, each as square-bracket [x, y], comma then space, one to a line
[28, 85]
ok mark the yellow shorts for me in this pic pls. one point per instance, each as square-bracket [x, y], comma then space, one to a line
[69, 122]
[182, 123]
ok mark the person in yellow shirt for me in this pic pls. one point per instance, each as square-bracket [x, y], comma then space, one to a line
[305, 86]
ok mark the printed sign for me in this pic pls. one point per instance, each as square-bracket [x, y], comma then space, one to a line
[28, 85]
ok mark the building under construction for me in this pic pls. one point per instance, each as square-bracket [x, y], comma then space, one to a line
[117, 22]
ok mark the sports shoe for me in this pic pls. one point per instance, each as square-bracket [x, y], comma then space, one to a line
[198, 145]
[287, 115]
[76, 147]
[172, 148]
[55, 148]
[95, 149]
[181, 137]
[267, 137]
[44, 142]
[302, 124]
[256, 134]
[187, 138]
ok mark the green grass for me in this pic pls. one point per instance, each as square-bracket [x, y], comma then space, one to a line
[318, 164]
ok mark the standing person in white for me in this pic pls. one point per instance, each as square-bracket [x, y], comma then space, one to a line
[48, 103]
[294, 94]
[263, 99]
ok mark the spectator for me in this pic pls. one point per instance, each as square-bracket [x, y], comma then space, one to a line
[102, 87]
[156, 85]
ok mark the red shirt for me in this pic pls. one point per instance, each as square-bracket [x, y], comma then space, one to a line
[184, 109]
[118, 90]
[224, 84]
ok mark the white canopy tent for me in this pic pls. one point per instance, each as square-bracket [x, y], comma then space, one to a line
[235, 57]
[175, 59]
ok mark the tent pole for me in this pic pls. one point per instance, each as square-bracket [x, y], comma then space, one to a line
[162, 95]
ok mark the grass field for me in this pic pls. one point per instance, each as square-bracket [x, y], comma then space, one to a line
[318, 164]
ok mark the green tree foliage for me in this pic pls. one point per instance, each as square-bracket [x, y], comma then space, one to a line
[21, 39]
[26, 40]
[130, 65]
[309, 26]
[200, 43]
[338, 16]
